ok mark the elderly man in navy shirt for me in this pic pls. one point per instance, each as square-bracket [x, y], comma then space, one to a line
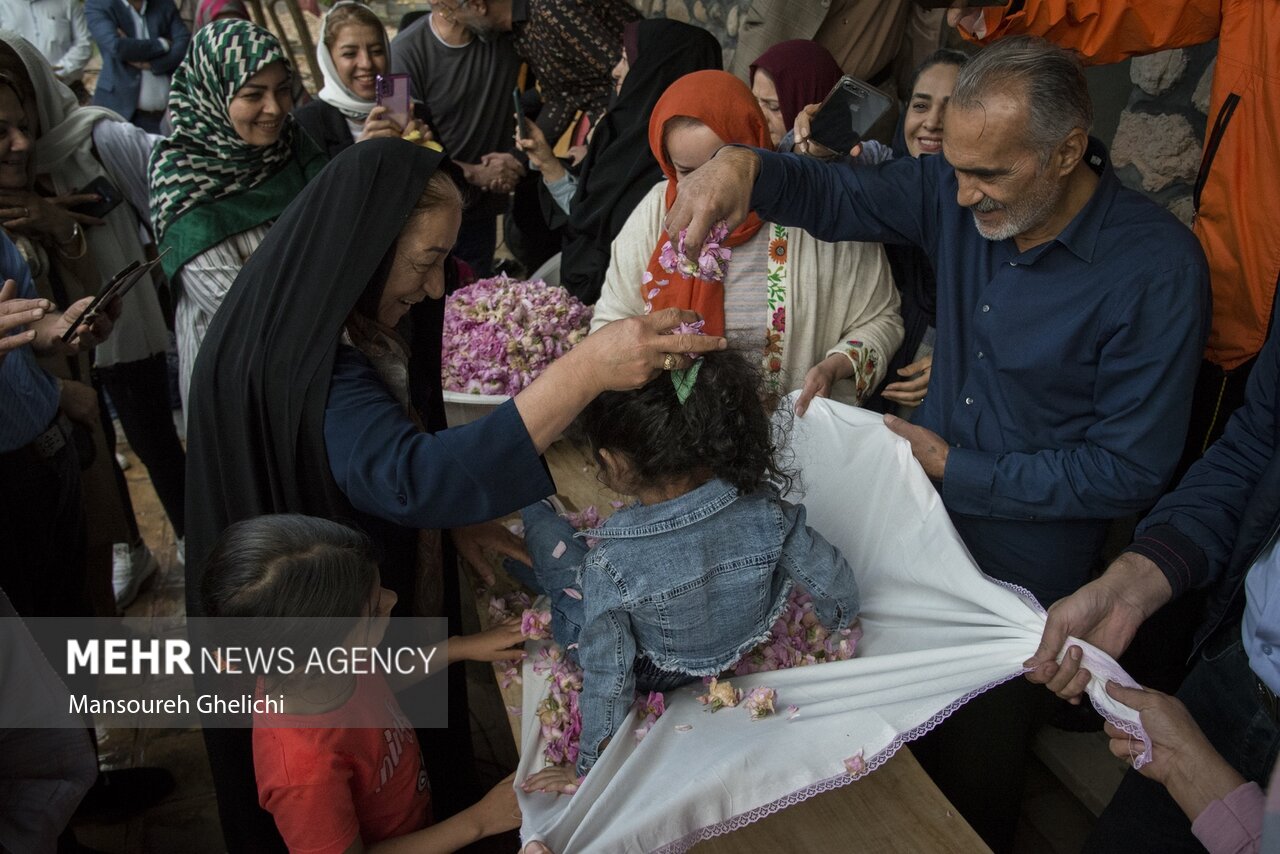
[1072, 313]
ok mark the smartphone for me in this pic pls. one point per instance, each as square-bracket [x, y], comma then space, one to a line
[393, 93]
[110, 198]
[849, 111]
[515, 100]
[118, 286]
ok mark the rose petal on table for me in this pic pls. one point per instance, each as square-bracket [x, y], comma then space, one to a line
[855, 764]
[792, 712]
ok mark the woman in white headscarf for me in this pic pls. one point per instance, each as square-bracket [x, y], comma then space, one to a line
[354, 50]
[75, 146]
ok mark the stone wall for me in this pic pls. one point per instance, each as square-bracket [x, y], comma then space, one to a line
[1157, 144]
[718, 16]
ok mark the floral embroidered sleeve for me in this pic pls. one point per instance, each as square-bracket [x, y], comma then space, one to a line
[865, 360]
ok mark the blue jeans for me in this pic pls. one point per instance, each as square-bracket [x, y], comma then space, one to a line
[1219, 693]
[544, 530]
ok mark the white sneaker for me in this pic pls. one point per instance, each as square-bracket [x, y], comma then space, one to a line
[130, 566]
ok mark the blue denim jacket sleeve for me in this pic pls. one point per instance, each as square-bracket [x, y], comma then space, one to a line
[820, 568]
[607, 652]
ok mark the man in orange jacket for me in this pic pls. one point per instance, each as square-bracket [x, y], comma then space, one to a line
[1236, 220]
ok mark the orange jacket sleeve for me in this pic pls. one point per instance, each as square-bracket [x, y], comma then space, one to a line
[1105, 31]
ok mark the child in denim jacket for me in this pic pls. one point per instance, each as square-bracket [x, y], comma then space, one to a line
[684, 582]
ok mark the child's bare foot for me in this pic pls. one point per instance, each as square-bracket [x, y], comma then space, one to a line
[560, 779]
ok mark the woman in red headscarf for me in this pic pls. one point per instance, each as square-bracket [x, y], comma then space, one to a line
[789, 76]
[823, 316]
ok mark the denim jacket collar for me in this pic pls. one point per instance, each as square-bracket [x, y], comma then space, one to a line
[639, 520]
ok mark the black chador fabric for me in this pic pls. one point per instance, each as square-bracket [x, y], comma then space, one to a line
[256, 426]
[619, 168]
[258, 392]
[918, 286]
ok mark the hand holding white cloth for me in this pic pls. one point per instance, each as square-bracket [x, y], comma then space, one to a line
[936, 633]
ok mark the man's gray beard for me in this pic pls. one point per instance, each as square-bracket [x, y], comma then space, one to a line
[1029, 212]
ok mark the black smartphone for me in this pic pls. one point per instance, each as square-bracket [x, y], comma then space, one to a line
[515, 100]
[109, 198]
[118, 286]
[849, 111]
[393, 93]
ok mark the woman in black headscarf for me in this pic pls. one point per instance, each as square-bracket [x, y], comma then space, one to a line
[317, 391]
[618, 169]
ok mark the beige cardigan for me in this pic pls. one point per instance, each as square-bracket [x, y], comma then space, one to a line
[836, 292]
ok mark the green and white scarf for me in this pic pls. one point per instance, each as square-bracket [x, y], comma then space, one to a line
[206, 182]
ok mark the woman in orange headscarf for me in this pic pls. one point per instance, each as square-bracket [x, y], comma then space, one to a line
[823, 316]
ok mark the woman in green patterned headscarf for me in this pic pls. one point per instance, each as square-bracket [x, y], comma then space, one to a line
[236, 159]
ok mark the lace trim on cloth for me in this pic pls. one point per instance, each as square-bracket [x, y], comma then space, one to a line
[1101, 666]
[1094, 660]
[738, 822]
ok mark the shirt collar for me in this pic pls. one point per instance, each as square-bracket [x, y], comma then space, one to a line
[1081, 234]
[638, 520]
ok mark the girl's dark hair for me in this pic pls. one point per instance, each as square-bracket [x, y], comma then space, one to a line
[941, 56]
[723, 427]
[311, 577]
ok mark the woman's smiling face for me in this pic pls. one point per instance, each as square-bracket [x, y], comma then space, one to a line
[417, 272]
[258, 108]
[359, 55]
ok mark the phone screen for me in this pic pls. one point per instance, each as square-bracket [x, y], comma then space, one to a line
[118, 286]
[849, 111]
[393, 93]
[515, 101]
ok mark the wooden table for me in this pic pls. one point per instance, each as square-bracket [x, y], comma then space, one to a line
[897, 808]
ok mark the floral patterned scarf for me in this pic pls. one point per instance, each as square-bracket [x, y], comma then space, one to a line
[723, 103]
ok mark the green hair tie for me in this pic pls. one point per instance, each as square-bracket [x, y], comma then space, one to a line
[684, 379]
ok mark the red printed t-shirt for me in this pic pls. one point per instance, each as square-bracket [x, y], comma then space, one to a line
[326, 785]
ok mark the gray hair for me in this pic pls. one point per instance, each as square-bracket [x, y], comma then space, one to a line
[1051, 79]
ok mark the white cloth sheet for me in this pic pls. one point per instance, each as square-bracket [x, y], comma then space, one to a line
[936, 633]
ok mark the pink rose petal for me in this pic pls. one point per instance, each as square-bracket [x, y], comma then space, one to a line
[573, 594]
[683, 727]
[855, 764]
[559, 550]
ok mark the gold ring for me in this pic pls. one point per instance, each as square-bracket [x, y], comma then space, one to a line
[669, 362]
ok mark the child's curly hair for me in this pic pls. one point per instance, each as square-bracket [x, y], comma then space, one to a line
[723, 427]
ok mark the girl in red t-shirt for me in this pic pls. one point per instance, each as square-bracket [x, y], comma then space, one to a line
[340, 768]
